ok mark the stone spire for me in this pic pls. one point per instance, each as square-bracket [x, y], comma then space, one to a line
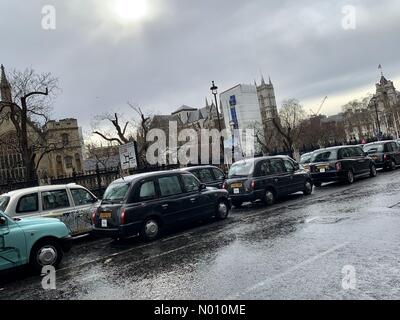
[270, 82]
[207, 105]
[262, 81]
[5, 87]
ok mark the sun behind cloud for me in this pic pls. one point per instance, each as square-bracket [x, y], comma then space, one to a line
[128, 11]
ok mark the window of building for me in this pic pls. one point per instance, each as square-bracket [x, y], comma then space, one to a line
[68, 162]
[65, 139]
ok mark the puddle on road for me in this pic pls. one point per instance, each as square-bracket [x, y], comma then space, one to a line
[326, 220]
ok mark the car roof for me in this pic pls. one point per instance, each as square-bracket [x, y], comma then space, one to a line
[23, 191]
[198, 167]
[139, 176]
[264, 158]
[378, 142]
[335, 148]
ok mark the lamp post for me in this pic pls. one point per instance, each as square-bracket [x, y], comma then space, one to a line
[377, 119]
[214, 91]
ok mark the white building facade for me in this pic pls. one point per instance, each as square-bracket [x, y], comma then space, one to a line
[240, 107]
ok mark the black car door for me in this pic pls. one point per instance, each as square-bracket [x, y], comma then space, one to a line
[281, 180]
[219, 177]
[173, 204]
[206, 176]
[198, 201]
[143, 201]
[296, 176]
[347, 160]
[396, 152]
[362, 162]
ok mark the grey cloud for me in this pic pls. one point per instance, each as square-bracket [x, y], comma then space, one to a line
[172, 59]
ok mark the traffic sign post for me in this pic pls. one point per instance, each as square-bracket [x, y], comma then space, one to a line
[127, 155]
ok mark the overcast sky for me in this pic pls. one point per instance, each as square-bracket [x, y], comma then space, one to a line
[168, 56]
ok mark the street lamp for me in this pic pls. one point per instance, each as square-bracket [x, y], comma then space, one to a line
[377, 118]
[214, 91]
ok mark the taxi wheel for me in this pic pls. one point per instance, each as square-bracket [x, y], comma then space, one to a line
[222, 210]
[350, 177]
[269, 197]
[372, 172]
[308, 187]
[45, 253]
[150, 229]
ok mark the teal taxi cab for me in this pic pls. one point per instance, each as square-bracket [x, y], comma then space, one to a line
[37, 242]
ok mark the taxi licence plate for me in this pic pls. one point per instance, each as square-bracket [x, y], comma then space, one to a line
[236, 185]
[105, 215]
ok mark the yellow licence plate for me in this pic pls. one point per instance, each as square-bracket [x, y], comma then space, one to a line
[105, 215]
[236, 185]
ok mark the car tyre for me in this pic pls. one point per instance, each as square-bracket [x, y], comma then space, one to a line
[269, 197]
[392, 166]
[350, 177]
[45, 253]
[151, 230]
[372, 171]
[308, 188]
[222, 210]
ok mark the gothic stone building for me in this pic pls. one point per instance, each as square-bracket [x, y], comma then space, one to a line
[60, 162]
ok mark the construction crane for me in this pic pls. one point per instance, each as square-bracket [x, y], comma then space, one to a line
[315, 114]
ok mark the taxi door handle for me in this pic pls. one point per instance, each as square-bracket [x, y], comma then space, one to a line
[165, 206]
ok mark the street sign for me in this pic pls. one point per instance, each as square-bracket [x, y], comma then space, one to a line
[127, 155]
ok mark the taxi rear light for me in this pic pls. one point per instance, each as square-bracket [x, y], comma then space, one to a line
[225, 185]
[94, 218]
[123, 216]
[253, 185]
[338, 166]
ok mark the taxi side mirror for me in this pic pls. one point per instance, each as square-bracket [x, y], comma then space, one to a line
[202, 186]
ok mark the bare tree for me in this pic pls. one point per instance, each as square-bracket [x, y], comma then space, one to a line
[263, 138]
[121, 135]
[125, 131]
[102, 155]
[33, 94]
[289, 124]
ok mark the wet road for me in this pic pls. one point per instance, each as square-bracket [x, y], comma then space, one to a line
[295, 249]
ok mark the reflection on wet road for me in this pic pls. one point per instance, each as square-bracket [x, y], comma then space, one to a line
[295, 249]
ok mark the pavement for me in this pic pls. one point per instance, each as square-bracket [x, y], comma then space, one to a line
[342, 242]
